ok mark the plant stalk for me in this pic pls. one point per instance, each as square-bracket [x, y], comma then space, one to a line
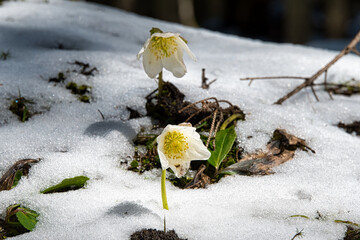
[229, 120]
[163, 190]
[161, 83]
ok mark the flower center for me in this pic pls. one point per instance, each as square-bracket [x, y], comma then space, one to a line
[163, 47]
[175, 145]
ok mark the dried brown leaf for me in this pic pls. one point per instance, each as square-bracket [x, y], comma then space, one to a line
[280, 149]
[7, 179]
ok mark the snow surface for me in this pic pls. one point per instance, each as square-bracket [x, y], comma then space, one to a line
[72, 139]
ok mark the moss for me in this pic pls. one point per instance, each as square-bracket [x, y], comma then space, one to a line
[81, 90]
[84, 98]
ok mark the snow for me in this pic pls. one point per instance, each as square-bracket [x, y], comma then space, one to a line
[72, 139]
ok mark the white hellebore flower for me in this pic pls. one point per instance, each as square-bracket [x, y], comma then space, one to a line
[178, 145]
[164, 50]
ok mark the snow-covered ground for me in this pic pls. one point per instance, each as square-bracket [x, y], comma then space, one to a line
[72, 138]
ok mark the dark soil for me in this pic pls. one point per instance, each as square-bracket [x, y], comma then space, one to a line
[352, 233]
[168, 108]
[153, 234]
[350, 128]
[206, 115]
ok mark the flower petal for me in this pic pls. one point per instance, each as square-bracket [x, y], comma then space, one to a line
[197, 150]
[185, 47]
[163, 159]
[180, 168]
[141, 52]
[152, 65]
[175, 64]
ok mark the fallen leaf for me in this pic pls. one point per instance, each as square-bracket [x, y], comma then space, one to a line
[7, 180]
[280, 149]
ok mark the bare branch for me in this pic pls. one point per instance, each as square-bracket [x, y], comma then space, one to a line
[204, 79]
[354, 50]
[309, 82]
[273, 77]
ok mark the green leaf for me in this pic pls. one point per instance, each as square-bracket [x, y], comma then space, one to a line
[347, 222]
[223, 143]
[17, 178]
[27, 218]
[155, 30]
[67, 185]
[298, 215]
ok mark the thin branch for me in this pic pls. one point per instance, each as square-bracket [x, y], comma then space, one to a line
[211, 128]
[298, 234]
[201, 101]
[310, 81]
[313, 91]
[272, 77]
[326, 85]
[354, 50]
[204, 83]
[351, 47]
[102, 115]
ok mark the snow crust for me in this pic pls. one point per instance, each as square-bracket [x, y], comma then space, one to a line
[72, 139]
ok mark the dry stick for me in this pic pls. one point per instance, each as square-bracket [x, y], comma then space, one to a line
[204, 79]
[326, 85]
[310, 80]
[201, 101]
[211, 128]
[274, 77]
[354, 50]
[217, 127]
[313, 91]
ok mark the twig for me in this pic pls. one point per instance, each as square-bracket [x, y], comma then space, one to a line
[273, 77]
[313, 91]
[309, 81]
[216, 113]
[204, 79]
[298, 234]
[351, 47]
[354, 50]
[201, 101]
[326, 85]
[102, 115]
[211, 128]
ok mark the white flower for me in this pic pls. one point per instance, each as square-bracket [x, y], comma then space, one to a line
[178, 145]
[164, 50]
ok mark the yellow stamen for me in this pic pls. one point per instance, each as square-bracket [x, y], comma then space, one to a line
[175, 145]
[163, 47]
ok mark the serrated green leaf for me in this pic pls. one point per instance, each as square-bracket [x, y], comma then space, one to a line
[27, 218]
[67, 185]
[223, 143]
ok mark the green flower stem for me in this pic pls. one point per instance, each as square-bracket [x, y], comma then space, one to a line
[161, 83]
[163, 190]
[229, 120]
